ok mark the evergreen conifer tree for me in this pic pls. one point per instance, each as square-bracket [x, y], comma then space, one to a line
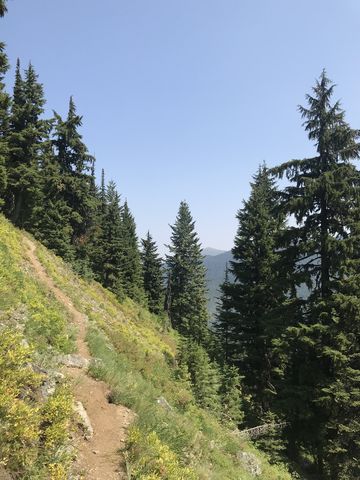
[204, 374]
[51, 215]
[131, 261]
[111, 274]
[226, 321]
[231, 396]
[26, 135]
[77, 181]
[186, 297]
[4, 123]
[152, 275]
[102, 193]
[250, 314]
[324, 372]
[96, 246]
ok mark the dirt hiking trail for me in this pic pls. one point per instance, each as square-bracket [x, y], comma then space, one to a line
[98, 458]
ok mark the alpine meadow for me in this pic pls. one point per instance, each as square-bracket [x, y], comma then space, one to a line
[111, 364]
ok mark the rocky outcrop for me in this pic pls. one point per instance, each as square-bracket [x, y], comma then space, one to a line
[84, 420]
[251, 463]
[74, 361]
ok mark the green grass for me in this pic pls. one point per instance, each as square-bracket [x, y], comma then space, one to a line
[24, 301]
[34, 329]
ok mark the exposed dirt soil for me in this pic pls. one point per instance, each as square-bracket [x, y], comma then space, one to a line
[98, 458]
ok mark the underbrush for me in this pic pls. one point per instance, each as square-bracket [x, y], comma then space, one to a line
[24, 302]
[34, 429]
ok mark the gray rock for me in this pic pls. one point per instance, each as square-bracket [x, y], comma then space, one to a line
[74, 361]
[251, 463]
[84, 420]
[164, 403]
[48, 388]
[25, 343]
[58, 376]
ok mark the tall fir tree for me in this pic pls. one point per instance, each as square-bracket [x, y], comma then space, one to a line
[226, 321]
[4, 123]
[204, 374]
[321, 391]
[110, 273]
[251, 303]
[231, 396]
[131, 261]
[186, 298]
[78, 191]
[51, 215]
[96, 246]
[26, 135]
[153, 277]
[102, 193]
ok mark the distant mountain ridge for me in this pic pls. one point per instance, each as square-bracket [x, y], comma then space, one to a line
[212, 252]
[215, 264]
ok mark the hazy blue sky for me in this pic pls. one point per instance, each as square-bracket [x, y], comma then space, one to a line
[183, 99]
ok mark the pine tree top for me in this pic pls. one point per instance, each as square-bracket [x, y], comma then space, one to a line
[4, 64]
[3, 8]
[184, 238]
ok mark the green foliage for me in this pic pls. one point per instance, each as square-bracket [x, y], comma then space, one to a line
[224, 326]
[248, 316]
[321, 379]
[4, 122]
[30, 434]
[116, 257]
[273, 442]
[65, 214]
[55, 416]
[19, 417]
[186, 293]
[110, 266]
[131, 263]
[231, 396]
[204, 374]
[24, 302]
[27, 132]
[152, 460]
[152, 275]
[29, 314]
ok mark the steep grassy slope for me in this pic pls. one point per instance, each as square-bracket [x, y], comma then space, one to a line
[171, 437]
[34, 328]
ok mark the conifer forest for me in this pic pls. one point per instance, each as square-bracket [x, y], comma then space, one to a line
[283, 353]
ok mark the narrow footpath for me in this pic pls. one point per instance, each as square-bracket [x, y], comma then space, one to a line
[99, 457]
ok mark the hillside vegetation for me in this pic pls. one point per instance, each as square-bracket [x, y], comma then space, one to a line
[171, 437]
